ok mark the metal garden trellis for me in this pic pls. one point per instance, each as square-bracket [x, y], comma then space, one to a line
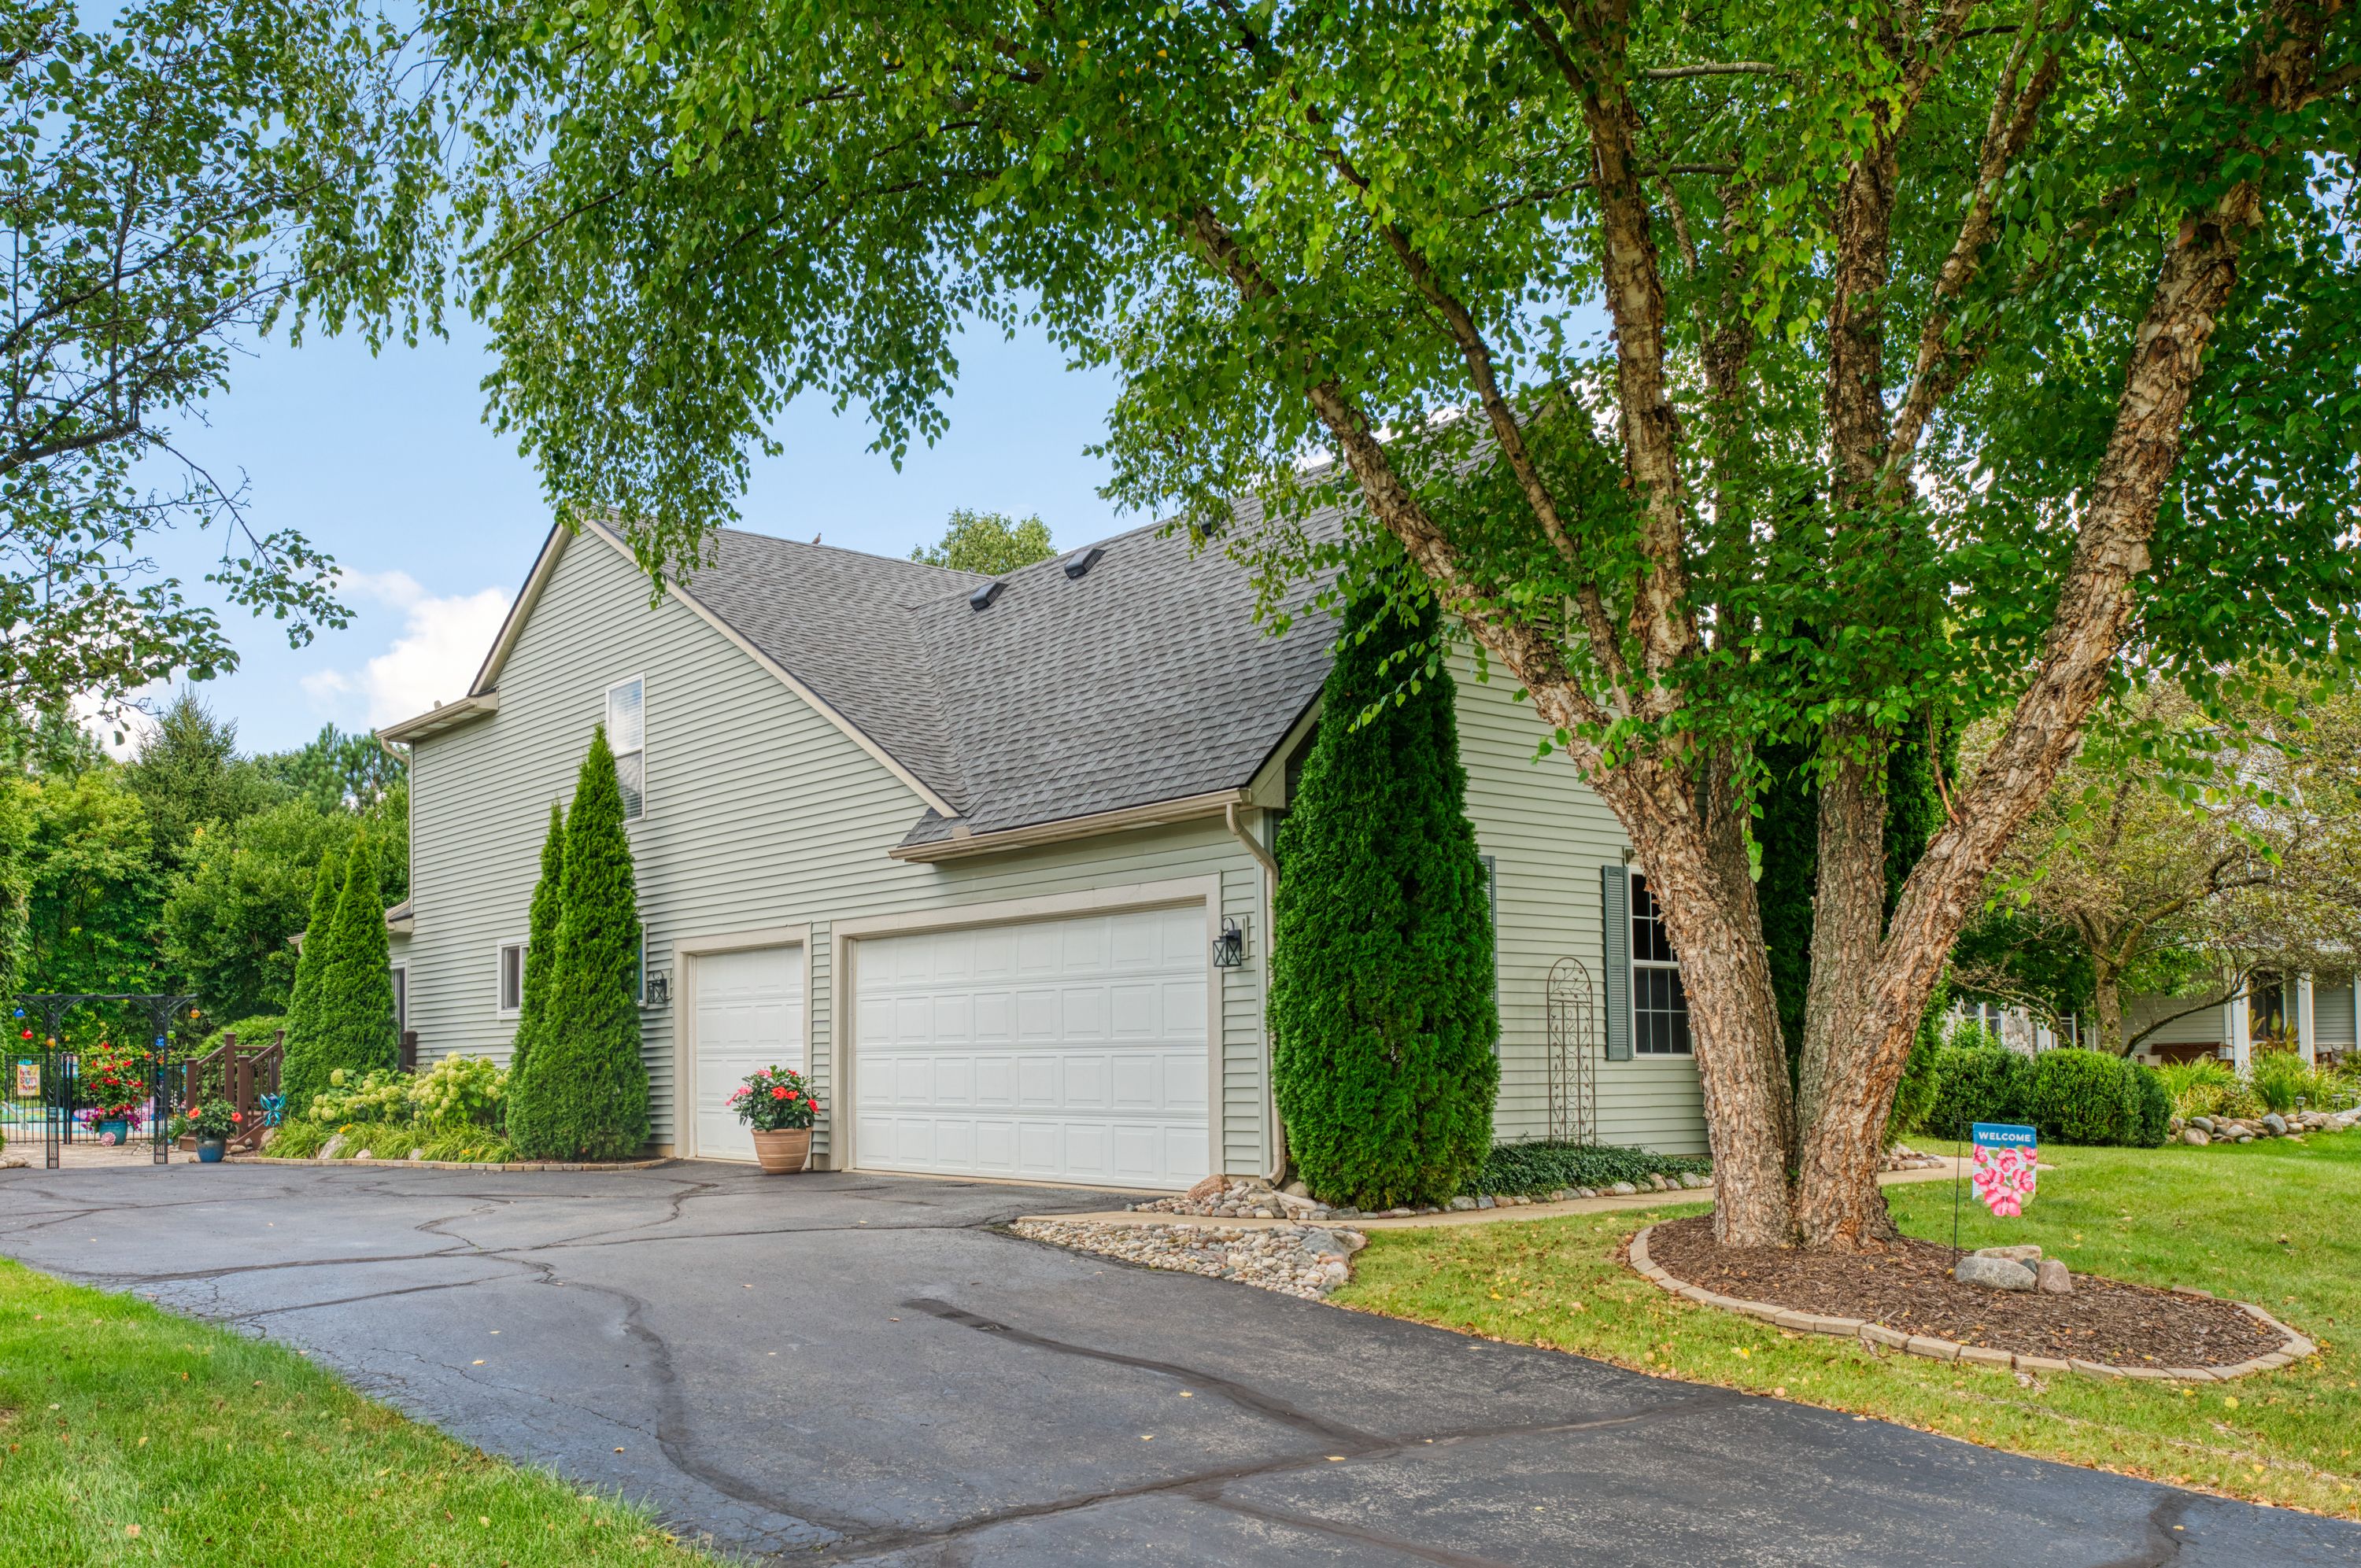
[1572, 1022]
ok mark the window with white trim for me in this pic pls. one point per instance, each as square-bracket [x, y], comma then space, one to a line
[1660, 1008]
[511, 996]
[401, 997]
[627, 736]
[640, 974]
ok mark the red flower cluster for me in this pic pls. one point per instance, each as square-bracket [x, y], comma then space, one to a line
[775, 1100]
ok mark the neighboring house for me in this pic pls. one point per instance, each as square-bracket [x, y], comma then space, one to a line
[966, 851]
[2311, 1015]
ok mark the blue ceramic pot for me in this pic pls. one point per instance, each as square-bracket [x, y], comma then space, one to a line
[210, 1150]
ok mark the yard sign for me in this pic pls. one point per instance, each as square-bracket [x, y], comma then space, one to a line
[2005, 1167]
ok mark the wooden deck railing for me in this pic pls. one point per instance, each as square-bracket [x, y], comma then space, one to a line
[245, 1075]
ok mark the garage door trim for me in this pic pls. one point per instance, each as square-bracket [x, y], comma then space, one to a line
[685, 952]
[846, 936]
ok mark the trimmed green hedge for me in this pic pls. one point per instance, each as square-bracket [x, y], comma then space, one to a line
[1520, 1168]
[2154, 1123]
[2082, 1097]
[1978, 1083]
[2071, 1096]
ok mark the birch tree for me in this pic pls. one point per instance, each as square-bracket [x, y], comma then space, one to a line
[1950, 348]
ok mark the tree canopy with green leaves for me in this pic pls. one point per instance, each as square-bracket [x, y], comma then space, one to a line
[171, 171]
[992, 543]
[1961, 354]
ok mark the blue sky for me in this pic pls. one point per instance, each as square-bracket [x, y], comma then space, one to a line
[386, 464]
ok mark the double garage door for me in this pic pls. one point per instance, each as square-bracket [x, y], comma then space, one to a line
[1057, 1050]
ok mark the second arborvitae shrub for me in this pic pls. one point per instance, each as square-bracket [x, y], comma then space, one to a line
[540, 941]
[1381, 1011]
[353, 1022]
[2083, 1097]
[584, 1094]
[302, 1006]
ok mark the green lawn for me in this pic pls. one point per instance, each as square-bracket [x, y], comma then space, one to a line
[2270, 1223]
[133, 1436]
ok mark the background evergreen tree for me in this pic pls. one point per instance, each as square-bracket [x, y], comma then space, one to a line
[585, 1095]
[1381, 1007]
[353, 1024]
[540, 944]
[319, 942]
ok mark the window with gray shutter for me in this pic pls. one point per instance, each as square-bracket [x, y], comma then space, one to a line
[1614, 895]
[1660, 1007]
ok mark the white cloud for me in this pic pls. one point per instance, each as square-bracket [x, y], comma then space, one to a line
[442, 645]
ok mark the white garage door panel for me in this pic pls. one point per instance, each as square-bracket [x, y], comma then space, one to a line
[749, 1015]
[1060, 1050]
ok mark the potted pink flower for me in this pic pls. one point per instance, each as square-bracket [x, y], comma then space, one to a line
[779, 1107]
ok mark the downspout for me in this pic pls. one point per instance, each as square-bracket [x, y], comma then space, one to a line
[1270, 864]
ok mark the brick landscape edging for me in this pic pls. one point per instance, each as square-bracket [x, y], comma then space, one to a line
[1877, 1334]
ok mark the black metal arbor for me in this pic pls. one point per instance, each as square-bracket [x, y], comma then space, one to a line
[45, 1083]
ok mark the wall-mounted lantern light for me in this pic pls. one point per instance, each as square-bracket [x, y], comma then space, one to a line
[659, 988]
[1230, 947]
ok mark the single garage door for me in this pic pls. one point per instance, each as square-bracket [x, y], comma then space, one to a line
[750, 1015]
[1058, 1050]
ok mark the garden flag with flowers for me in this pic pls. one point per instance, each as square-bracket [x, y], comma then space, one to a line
[2004, 1165]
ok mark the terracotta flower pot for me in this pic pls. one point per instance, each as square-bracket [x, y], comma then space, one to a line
[783, 1152]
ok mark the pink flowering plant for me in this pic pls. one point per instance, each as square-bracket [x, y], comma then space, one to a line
[2003, 1178]
[775, 1100]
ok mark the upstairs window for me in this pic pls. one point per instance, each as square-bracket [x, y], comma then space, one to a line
[1660, 1008]
[627, 738]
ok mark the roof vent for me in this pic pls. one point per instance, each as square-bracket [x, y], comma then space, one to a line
[982, 598]
[1082, 560]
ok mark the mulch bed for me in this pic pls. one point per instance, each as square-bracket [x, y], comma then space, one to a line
[1910, 1290]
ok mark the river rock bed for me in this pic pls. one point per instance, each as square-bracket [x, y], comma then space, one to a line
[1250, 1198]
[2200, 1131]
[1294, 1260]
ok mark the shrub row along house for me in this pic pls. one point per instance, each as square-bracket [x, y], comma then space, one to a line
[990, 859]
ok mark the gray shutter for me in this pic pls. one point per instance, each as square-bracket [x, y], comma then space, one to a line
[1615, 898]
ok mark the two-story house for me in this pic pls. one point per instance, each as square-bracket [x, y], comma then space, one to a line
[990, 859]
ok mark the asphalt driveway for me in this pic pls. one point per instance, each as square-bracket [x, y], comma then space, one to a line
[856, 1368]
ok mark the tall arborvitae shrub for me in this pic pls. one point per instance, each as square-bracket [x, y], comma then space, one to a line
[354, 1027]
[1381, 1009]
[540, 944]
[585, 1093]
[303, 1004]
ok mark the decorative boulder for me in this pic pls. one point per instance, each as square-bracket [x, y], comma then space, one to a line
[2051, 1275]
[2202, 1123]
[1994, 1273]
[2025, 1253]
[2274, 1123]
[2195, 1138]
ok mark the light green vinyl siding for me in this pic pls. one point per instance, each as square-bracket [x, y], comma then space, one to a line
[1548, 833]
[760, 813]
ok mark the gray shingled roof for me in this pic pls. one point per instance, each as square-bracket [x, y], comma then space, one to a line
[840, 622]
[1146, 680]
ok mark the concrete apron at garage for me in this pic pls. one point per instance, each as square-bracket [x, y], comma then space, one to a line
[853, 1369]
